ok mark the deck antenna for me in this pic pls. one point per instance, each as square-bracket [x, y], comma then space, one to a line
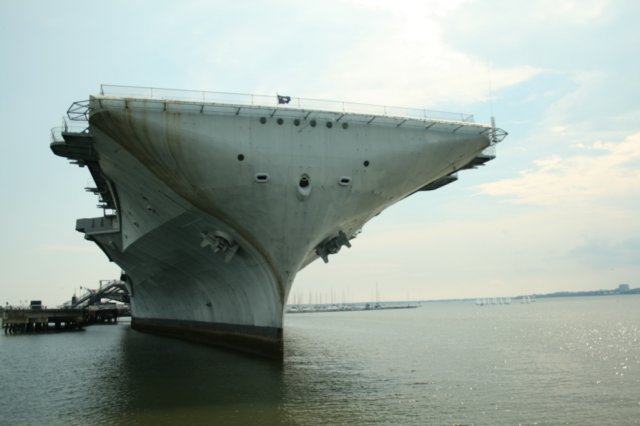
[489, 71]
[493, 119]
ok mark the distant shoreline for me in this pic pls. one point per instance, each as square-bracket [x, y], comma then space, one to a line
[612, 292]
[589, 293]
[558, 294]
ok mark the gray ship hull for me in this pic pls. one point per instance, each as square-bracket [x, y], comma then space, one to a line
[213, 208]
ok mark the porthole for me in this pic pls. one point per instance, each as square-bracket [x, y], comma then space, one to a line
[344, 181]
[262, 177]
[296, 122]
[329, 124]
[313, 123]
[263, 120]
[366, 163]
[280, 121]
[345, 126]
[240, 157]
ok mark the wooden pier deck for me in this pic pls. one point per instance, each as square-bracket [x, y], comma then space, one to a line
[26, 320]
[15, 321]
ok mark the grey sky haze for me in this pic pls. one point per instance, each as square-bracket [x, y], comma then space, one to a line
[557, 210]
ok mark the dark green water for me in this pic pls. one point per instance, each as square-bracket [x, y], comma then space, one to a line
[563, 361]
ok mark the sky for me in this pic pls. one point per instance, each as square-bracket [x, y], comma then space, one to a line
[558, 209]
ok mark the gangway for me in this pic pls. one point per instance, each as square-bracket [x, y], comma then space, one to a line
[108, 289]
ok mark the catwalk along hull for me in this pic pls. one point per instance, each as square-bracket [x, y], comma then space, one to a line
[214, 208]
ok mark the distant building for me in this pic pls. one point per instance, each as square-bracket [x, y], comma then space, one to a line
[623, 288]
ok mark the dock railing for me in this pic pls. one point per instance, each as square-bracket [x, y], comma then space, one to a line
[280, 100]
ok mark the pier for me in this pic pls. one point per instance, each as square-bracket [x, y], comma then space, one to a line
[28, 320]
[74, 315]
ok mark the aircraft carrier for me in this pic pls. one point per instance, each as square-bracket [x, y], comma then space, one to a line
[212, 202]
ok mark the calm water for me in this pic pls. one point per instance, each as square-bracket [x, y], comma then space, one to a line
[564, 361]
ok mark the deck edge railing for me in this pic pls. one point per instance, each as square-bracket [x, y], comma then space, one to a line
[276, 101]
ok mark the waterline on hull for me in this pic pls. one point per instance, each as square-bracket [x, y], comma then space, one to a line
[263, 341]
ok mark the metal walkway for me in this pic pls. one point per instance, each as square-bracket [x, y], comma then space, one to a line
[111, 289]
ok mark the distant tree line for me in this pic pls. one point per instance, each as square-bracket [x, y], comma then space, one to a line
[589, 293]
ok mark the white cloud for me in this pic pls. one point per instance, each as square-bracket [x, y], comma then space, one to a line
[409, 61]
[379, 52]
[581, 13]
[611, 174]
[412, 8]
